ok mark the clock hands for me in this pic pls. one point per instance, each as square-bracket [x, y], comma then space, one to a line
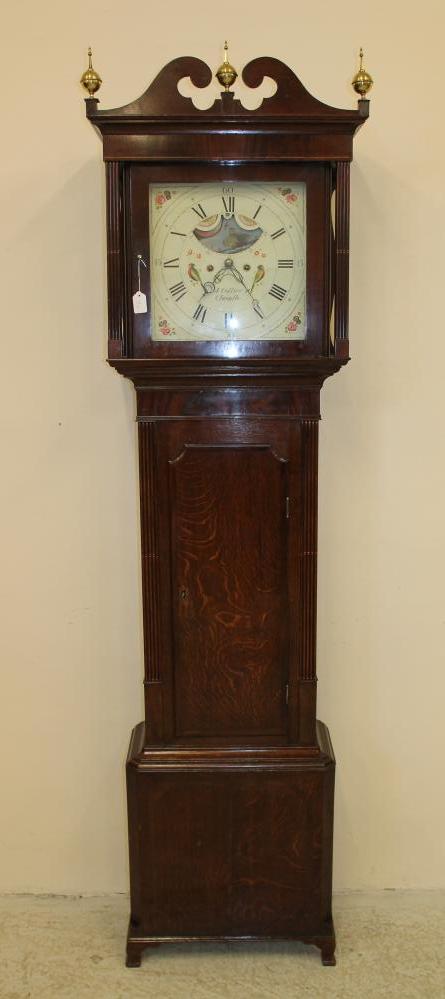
[228, 268]
[209, 286]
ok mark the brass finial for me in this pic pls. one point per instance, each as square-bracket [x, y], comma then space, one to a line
[90, 79]
[362, 81]
[226, 74]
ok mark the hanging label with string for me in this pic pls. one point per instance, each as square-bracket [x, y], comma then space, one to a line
[139, 299]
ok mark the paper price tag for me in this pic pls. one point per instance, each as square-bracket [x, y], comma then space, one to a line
[139, 302]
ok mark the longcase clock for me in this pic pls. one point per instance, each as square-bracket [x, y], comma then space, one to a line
[227, 288]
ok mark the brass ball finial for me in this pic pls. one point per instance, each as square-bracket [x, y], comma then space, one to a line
[226, 74]
[362, 81]
[90, 79]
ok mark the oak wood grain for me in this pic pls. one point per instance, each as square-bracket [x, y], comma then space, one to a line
[231, 618]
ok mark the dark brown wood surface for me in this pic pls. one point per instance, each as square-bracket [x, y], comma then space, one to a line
[220, 851]
[229, 579]
[163, 125]
[291, 101]
[229, 547]
[230, 779]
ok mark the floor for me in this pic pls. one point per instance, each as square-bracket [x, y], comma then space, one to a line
[390, 944]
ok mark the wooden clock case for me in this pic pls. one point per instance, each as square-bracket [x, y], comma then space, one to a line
[230, 777]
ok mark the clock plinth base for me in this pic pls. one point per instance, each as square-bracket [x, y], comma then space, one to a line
[137, 945]
[230, 845]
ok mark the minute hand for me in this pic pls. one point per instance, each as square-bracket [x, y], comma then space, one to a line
[239, 278]
[260, 272]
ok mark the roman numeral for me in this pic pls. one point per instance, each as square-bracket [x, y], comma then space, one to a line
[174, 262]
[257, 211]
[200, 211]
[285, 263]
[229, 204]
[200, 312]
[257, 308]
[277, 292]
[227, 318]
[279, 232]
[178, 290]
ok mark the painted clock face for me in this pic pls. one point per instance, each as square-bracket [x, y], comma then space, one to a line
[228, 261]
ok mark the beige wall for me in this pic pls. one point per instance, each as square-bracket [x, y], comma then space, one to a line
[71, 653]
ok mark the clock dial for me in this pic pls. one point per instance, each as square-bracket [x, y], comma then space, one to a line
[228, 261]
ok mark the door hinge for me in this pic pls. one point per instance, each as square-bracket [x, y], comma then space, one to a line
[287, 507]
[286, 690]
